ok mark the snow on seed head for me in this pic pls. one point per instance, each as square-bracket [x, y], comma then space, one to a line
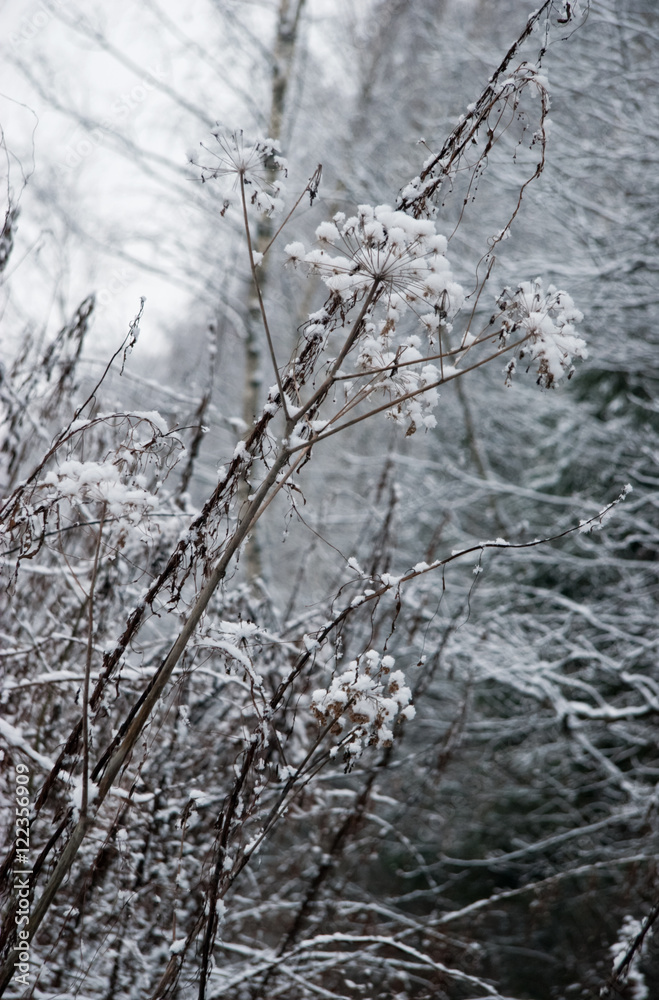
[365, 699]
[253, 164]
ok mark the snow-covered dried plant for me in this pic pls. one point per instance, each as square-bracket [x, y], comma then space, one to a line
[391, 248]
[383, 264]
[120, 485]
[544, 322]
[367, 698]
[389, 262]
[187, 682]
[252, 164]
[403, 260]
[483, 125]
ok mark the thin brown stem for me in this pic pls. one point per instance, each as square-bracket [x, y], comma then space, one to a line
[311, 188]
[408, 395]
[88, 670]
[348, 344]
[264, 316]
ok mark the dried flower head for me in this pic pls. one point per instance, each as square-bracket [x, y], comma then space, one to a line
[404, 260]
[389, 247]
[368, 697]
[547, 320]
[256, 164]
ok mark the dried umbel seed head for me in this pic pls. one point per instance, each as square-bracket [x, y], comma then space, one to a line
[368, 696]
[254, 164]
[403, 254]
[546, 320]
[400, 263]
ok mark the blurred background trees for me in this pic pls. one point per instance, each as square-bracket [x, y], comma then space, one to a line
[511, 829]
